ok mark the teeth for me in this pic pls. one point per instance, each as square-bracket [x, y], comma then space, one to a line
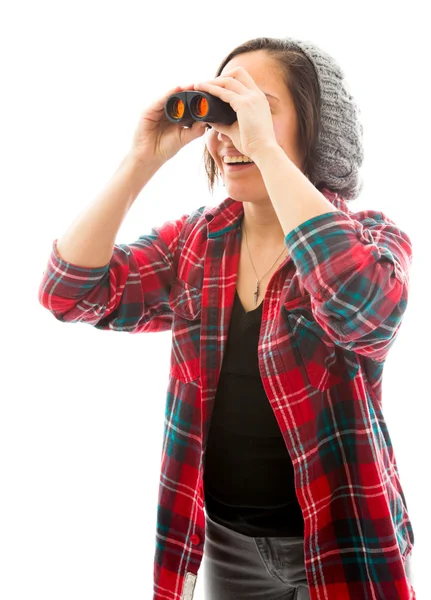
[236, 159]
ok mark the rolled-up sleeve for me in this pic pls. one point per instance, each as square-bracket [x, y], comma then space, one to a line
[130, 293]
[356, 268]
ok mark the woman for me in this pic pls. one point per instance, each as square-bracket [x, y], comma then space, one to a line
[273, 413]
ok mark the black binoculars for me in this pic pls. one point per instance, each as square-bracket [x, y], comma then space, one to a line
[186, 107]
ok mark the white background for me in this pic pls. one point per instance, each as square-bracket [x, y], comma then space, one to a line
[82, 410]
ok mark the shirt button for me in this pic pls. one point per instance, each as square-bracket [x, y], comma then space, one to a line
[195, 539]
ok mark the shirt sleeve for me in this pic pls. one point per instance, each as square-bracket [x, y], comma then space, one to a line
[130, 293]
[356, 268]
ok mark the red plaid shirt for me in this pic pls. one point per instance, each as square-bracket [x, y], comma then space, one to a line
[331, 312]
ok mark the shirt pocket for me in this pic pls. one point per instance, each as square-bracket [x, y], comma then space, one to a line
[186, 303]
[322, 362]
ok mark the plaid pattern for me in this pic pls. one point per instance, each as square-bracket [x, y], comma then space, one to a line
[331, 313]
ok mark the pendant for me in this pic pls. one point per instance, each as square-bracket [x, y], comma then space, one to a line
[256, 293]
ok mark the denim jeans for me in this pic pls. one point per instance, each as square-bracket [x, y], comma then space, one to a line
[240, 567]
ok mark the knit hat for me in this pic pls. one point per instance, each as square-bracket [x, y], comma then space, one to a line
[339, 148]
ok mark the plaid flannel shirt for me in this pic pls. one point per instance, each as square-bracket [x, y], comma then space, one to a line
[331, 312]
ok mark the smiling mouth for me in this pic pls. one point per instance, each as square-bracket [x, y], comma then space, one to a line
[230, 167]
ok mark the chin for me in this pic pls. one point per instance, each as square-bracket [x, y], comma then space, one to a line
[245, 193]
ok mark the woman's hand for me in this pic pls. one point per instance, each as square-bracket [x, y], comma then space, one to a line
[156, 139]
[253, 129]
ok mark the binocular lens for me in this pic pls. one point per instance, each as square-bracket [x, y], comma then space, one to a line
[178, 109]
[202, 107]
[185, 107]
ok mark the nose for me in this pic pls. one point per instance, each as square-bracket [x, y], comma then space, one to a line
[222, 137]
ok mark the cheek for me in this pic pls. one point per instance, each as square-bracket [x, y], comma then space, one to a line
[285, 133]
[280, 131]
[211, 143]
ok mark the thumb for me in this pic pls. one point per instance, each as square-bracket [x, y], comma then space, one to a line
[195, 131]
[199, 127]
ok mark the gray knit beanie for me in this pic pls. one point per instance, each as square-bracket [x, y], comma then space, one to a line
[339, 148]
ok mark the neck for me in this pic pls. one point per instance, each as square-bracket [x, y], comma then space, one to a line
[266, 253]
[262, 228]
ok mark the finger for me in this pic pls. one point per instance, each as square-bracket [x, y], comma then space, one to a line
[241, 74]
[222, 82]
[223, 93]
[195, 131]
[161, 101]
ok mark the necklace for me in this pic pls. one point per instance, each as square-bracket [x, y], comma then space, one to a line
[256, 293]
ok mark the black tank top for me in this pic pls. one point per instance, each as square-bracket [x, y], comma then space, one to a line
[248, 474]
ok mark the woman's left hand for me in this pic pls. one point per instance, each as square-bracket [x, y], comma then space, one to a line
[253, 128]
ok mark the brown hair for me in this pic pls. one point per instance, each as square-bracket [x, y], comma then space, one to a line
[301, 80]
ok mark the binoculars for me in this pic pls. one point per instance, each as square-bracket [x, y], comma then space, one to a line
[186, 107]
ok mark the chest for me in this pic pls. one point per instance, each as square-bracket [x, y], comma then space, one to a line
[247, 279]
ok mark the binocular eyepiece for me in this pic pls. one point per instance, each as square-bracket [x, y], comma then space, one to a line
[186, 107]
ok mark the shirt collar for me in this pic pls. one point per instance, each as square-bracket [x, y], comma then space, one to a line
[228, 214]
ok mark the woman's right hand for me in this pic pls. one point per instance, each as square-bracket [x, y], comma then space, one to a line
[156, 138]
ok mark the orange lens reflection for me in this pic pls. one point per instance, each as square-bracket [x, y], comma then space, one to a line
[202, 107]
[178, 109]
